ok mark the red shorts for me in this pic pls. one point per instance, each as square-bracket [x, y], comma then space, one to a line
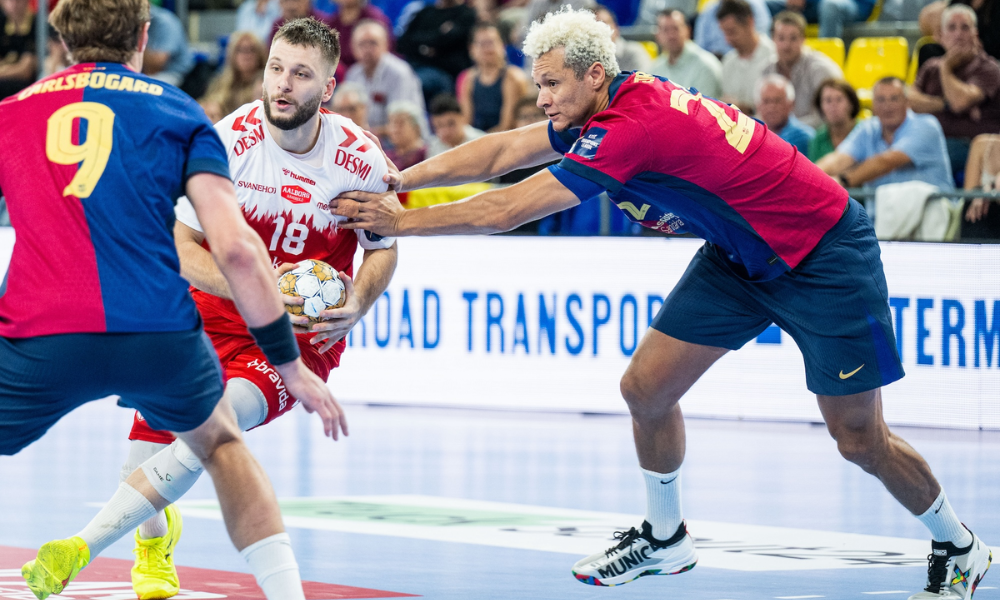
[241, 358]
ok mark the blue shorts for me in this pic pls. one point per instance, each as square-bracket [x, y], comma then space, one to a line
[174, 379]
[834, 304]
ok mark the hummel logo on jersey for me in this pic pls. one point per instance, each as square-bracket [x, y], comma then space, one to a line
[848, 375]
[297, 177]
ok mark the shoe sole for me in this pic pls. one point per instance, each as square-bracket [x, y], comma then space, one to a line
[39, 576]
[591, 580]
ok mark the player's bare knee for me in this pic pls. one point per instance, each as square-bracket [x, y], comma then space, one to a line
[644, 400]
[863, 447]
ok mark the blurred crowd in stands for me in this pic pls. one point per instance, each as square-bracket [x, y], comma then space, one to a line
[429, 75]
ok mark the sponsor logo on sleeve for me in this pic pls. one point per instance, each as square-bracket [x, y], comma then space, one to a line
[589, 142]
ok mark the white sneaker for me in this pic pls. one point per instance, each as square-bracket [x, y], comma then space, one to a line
[953, 573]
[637, 554]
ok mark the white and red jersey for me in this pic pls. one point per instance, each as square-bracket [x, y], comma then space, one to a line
[285, 197]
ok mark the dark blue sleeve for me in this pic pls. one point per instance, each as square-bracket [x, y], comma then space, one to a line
[562, 141]
[584, 188]
[206, 154]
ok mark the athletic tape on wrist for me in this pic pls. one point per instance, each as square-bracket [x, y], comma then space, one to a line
[277, 340]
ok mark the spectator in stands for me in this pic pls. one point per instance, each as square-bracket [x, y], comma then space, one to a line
[961, 88]
[349, 14]
[775, 100]
[632, 56]
[930, 27]
[490, 90]
[838, 104]
[450, 127]
[257, 16]
[895, 145]
[982, 217]
[18, 53]
[385, 77]
[296, 9]
[832, 15]
[709, 35]
[406, 143]
[804, 67]
[351, 100]
[436, 44]
[242, 74]
[681, 60]
[167, 56]
[988, 15]
[527, 112]
[751, 54]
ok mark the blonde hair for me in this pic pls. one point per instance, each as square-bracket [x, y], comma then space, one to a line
[584, 39]
[230, 89]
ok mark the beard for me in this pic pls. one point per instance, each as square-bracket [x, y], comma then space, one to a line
[300, 117]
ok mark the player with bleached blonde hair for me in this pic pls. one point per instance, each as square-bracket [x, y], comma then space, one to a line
[784, 244]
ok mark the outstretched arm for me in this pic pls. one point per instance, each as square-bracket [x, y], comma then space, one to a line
[492, 211]
[482, 159]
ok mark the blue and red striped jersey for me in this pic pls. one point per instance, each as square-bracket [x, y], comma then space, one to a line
[94, 159]
[676, 161]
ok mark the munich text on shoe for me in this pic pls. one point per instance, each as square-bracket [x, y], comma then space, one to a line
[953, 573]
[638, 553]
[56, 564]
[154, 576]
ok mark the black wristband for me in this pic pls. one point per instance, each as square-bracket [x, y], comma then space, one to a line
[277, 340]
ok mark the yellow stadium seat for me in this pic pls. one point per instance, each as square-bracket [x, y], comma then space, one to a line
[702, 4]
[871, 59]
[832, 47]
[911, 74]
[812, 30]
[651, 48]
[444, 195]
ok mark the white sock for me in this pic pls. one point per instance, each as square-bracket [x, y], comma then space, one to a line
[126, 509]
[944, 523]
[154, 527]
[273, 564]
[663, 502]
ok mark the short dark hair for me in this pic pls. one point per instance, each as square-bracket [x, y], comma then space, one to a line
[313, 34]
[443, 104]
[100, 30]
[483, 26]
[845, 88]
[738, 9]
[890, 79]
[669, 13]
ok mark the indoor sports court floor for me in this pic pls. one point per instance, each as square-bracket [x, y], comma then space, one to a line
[447, 504]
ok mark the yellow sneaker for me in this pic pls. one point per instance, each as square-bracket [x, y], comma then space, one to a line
[153, 575]
[56, 564]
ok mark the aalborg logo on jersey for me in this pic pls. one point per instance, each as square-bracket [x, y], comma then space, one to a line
[295, 194]
[353, 164]
[256, 131]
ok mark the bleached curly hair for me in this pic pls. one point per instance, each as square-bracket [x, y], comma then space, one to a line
[584, 39]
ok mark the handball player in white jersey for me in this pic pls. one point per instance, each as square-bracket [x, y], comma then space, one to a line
[288, 158]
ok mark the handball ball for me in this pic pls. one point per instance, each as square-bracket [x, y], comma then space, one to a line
[316, 282]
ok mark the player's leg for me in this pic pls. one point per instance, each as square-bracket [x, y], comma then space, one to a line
[835, 306]
[249, 506]
[705, 315]
[173, 468]
[959, 560]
